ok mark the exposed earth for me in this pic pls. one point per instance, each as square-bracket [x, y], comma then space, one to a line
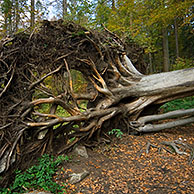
[123, 166]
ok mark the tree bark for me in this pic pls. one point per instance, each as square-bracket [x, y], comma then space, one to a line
[113, 5]
[64, 8]
[32, 12]
[165, 50]
[150, 68]
[176, 37]
[17, 15]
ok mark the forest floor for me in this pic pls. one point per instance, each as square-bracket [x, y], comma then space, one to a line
[123, 166]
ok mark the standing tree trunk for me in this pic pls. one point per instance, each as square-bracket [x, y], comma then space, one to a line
[32, 12]
[17, 15]
[176, 37]
[150, 67]
[64, 8]
[113, 5]
[6, 23]
[165, 50]
[7, 9]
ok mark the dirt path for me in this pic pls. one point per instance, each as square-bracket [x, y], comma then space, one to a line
[123, 166]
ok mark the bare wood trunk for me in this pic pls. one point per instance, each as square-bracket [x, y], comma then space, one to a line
[165, 86]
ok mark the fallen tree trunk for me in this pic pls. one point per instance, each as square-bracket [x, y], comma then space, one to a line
[40, 95]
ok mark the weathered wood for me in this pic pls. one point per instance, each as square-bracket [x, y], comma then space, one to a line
[163, 85]
[167, 125]
[169, 115]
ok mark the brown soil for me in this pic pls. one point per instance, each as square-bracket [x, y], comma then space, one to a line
[123, 166]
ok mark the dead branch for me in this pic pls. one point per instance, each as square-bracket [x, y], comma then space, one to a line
[81, 117]
[131, 67]
[169, 115]
[8, 83]
[13, 147]
[148, 147]
[174, 146]
[168, 125]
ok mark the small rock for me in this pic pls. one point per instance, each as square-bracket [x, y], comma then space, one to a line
[81, 151]
[76, 178]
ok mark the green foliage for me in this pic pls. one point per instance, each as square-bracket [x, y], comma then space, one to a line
[184, 103]
[103, 13]
[80, 33]
[80, 11]
[117, 132]
[143, 21]
[37, 177]
[181, 63]
[79, 83]
[62, 112]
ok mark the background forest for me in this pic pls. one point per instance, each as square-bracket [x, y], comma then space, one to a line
[164, 28]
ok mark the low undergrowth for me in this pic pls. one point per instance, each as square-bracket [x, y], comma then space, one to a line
[184, 103]
[117, 132]
[37, 177]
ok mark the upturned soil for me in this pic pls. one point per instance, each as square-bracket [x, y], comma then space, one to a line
[27, 59]
[123, 166]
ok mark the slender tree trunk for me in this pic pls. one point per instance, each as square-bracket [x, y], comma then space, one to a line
[32, 20]
[17, 14]
[113, 5]
[74, 2]
[131, 20]
[150, 70]
[5, 16]
[64, 8]
[5, 23]
[176, 37]
[165, 50]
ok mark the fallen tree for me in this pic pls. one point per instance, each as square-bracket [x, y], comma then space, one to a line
[43, 111]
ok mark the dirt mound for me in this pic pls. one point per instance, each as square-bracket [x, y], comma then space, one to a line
[47, 55]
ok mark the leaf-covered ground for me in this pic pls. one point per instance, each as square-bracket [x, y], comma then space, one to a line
[123, 166]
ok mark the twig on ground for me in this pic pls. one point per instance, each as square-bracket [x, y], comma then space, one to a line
[148, 147]
[174, 146]
[191, 157]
